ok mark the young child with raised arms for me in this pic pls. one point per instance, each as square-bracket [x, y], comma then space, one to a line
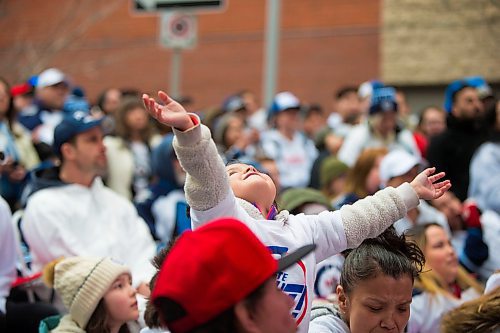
[239, 190]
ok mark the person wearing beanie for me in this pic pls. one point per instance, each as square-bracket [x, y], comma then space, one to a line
[333, 173]
[241, 191]
[97, 292]
[453, 149]
[380, 130]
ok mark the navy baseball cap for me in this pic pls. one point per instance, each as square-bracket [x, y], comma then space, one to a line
[70, 126]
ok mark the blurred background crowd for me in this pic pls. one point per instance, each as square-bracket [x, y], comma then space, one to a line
[358, 109]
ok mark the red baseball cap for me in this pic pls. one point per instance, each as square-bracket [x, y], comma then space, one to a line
[214, 267]
[20, 89]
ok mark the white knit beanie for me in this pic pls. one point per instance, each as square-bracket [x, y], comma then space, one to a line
[82, 282]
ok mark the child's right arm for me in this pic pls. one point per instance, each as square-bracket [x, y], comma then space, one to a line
[171, 113]
[207, 183]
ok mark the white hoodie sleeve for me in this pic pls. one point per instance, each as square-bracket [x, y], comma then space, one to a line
[369, 217]
[207, 183]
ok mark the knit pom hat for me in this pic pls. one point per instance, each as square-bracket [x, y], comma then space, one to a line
[82, 282]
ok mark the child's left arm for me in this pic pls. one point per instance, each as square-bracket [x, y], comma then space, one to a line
[369, 217]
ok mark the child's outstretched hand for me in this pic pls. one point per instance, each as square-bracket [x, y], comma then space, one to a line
[426, 185]
[170, 114]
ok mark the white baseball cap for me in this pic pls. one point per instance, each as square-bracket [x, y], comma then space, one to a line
[283, 101]
[396, 163]
[492, 283]
[50, 77]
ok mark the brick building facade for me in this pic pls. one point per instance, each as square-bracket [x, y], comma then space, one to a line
[324, 44]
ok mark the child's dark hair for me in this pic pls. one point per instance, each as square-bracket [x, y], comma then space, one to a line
[226, 322]
[388, 254]
[151, 317]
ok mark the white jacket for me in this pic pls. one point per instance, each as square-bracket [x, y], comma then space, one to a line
[294, 158]
[8, 252]
[210, 196]
[74, 220]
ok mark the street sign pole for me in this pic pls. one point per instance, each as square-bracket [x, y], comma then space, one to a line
[175, 73]
[271, 50]
[178, 31]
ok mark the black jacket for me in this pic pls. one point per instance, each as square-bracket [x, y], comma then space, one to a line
[452, 150]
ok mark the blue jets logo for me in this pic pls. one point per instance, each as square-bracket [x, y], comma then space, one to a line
[292, 283]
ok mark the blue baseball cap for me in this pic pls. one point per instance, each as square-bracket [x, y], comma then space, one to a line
[283, 101]
[72, 125]
[383, 100]
[477, 82]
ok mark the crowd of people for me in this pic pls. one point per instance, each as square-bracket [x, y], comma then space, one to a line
[146, 215]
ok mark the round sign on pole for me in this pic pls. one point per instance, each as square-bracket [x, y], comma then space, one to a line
[178, 30]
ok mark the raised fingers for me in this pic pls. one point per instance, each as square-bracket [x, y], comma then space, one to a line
[429, 171]
[146, 100]
[164, 97]
[445, 183]
[436, 177]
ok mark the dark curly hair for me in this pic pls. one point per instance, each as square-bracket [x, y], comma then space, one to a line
[389, 254]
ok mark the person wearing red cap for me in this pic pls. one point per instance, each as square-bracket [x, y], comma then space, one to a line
[241, 191]
[227, 285]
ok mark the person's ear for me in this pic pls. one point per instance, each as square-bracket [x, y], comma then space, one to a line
[245, 319]
[67, 151]
[342, 299]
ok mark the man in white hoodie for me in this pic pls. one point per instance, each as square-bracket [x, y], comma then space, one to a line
[72, 213]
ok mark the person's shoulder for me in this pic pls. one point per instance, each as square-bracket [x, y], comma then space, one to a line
[270, 134]
[406, 134]
[31, 110]
[362, 128]
[48, 200]
[113, 197]
[44, 195]
[113, 142]
[4, 206]
[439, 141]
[489, 149]
[326, 317]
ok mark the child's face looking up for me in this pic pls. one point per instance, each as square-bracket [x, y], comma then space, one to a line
[251, 185]
[121, 302]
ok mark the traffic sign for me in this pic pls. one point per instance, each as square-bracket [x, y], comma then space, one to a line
[185, 5]
[178, 30]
